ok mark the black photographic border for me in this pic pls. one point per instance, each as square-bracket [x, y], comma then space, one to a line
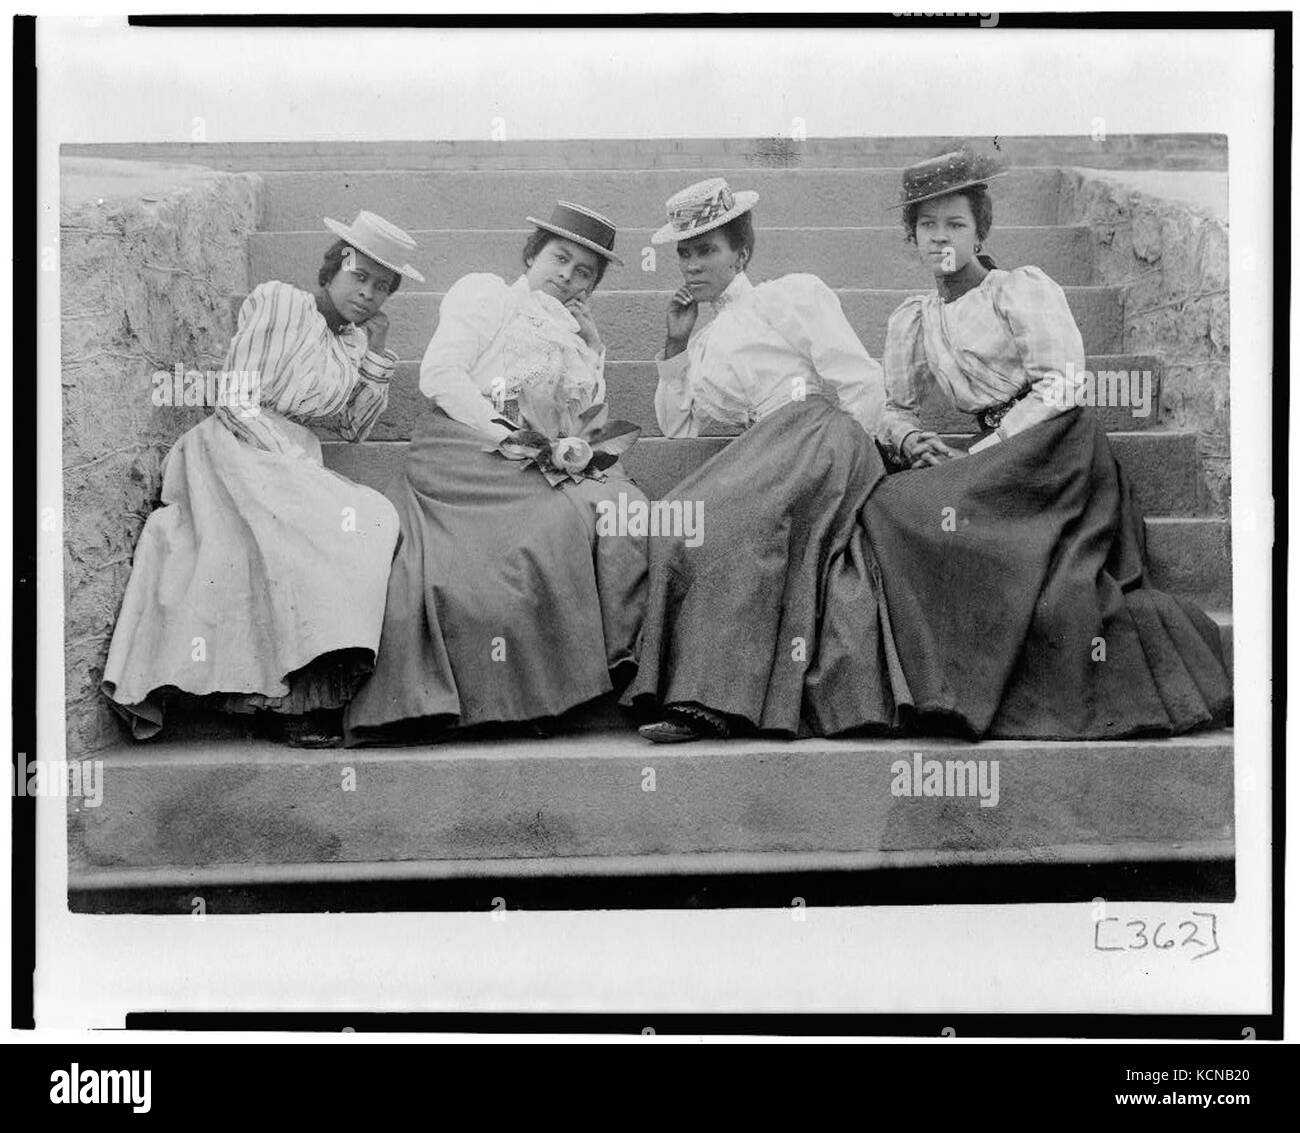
[26, 513]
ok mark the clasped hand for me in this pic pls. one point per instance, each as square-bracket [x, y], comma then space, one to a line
[926, 450]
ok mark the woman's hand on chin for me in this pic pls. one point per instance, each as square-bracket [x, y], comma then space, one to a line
[926, 450]
[683, 310]
[586, 324]
[376, 328]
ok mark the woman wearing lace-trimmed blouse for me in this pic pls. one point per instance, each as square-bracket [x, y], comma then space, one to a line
[503, 604]
[1027, 614]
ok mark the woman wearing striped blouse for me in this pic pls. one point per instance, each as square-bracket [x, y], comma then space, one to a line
[260, 581]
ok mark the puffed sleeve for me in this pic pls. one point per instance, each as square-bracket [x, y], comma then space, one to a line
[369, 397]
[674, 397]
[809, 317]
[470, 317]
[273, 322]
[907, 376]
[1051, 348]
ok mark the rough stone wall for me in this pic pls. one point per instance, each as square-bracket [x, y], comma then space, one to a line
[1172, 257]
[149, 259]
[1114, 151]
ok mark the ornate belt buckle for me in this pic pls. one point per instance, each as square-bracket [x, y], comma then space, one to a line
[991, 418]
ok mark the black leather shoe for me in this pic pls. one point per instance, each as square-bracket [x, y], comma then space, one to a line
[686, 722]
[670, 732]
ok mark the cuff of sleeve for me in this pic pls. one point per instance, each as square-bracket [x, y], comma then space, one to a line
[378, 367]
[898, 448]
[894, 431]
[672, 372]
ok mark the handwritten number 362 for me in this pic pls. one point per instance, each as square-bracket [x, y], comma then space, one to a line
[1160, 937]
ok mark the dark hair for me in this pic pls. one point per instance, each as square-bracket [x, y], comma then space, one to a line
[739, 233]
[981, 207]
[333, 262]
[538, 241]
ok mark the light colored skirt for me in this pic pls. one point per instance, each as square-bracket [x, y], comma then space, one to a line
[259, 582]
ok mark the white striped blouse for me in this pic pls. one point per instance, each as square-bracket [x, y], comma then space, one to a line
[301, 369]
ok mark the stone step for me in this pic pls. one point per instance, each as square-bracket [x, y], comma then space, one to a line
[207, 816]
[842, 257]
[632, 322]
[707, 155]
[1191, 557]
[602, 715]
[1162, 465]
[501, 198]
[631, 389]
[1223, 620]
[1188, 555]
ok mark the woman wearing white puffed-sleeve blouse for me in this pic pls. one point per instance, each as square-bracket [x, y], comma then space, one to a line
[505, 605]
[770, 622]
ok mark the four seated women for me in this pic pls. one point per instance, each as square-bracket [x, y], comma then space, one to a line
[998, 591]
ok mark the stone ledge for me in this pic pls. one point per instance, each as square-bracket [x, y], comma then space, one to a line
[229, 813]
[488, 198]
[1142, 151]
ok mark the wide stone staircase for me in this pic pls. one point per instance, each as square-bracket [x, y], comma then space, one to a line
[606, 817]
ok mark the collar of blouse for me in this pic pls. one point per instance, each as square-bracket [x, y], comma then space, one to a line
[736, 289]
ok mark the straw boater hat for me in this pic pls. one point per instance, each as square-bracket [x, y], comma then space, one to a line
[383, 242]
[701, 207]
[582, 226]
[939, 176]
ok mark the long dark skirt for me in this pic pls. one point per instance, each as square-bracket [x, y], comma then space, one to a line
[774, 617]
[503, 603]
[1016, 580]
[1002, 594]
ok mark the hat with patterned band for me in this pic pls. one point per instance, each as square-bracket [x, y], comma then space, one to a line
[383, 242]
[939, 176]
[701, 207]
[582, 226]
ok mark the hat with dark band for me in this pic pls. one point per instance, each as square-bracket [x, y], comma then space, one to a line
[701, 207]
[582, 226]
[383, 242]
[939, 176]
